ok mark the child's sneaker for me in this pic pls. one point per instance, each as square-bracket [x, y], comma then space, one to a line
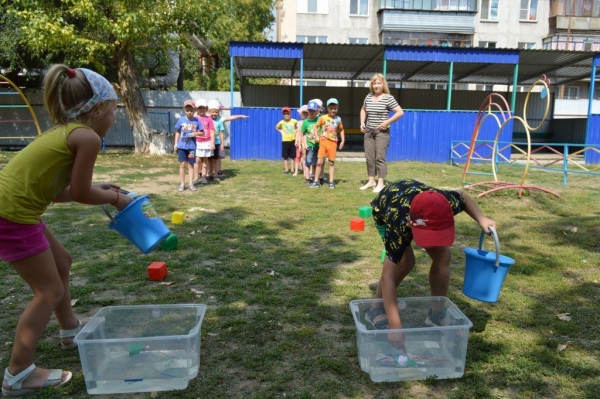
[204, 181]
[321, 181]
[211, 177]
[315, 184]
[196, 182]
[221, 173]
[193, 188]
[181, 188]
[307, 182]
[295, 174]
[312, 178]
[332, 185]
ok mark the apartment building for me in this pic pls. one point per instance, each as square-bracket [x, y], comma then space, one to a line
[451, 23]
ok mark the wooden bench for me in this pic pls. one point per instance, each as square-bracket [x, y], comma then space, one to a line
[354, 139]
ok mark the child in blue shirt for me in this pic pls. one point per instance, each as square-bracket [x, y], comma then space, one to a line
[214, 110]
[186, 130]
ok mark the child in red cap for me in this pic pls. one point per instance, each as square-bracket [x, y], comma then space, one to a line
[408, 210]
[287, 127]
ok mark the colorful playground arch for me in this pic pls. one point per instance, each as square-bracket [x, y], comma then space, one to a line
[11, 90]
[486, 110]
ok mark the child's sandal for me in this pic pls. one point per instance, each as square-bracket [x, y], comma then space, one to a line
[64, 334]
[15, 382]
[372, 313]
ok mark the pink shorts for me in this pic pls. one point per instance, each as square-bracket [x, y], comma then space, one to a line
[19, 241]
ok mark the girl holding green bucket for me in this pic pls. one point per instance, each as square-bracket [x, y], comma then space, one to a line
[410, 209]
[56, 167]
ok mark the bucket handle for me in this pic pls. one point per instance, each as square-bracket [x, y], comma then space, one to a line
[496, 242]
[110, 216]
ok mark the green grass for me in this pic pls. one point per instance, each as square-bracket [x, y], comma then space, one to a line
[290, 333]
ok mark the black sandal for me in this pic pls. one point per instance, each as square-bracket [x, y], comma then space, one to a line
[372, 313]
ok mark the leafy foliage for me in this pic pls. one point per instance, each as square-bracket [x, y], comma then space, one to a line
[90, 33]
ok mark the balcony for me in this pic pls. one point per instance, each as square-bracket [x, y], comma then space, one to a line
[469, 6]
[575, 23]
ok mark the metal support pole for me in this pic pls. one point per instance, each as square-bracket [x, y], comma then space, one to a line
[513, 98]
[449, 91]
[384, 67]
[565, 164]
[231, 82]
[301, 80]
[590, 99]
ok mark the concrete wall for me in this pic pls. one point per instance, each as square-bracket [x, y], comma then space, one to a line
[508, 31]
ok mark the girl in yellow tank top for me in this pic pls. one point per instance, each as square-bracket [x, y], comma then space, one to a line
[56, 167]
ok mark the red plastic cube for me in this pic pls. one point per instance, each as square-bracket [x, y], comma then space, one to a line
[157, 271]
[357, 224]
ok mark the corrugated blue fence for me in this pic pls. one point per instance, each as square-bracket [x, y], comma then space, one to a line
[593, 138]
[418, 136]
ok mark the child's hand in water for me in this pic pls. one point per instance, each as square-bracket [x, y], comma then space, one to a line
[397, 340]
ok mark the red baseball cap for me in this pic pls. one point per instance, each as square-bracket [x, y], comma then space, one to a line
[286, 109]
[432, 220]
[190, 103]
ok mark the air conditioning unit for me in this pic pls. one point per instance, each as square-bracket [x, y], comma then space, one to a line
[588, 46]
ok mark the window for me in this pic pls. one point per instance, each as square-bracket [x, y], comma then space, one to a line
[487, 44]
[526, 45]
[311, 39]
[572, 92]
[359, 7]
[312, 6]
[439, 86]
[489, 10]
[528, 10]
[358, 40]
[484, 87]
[597, 94]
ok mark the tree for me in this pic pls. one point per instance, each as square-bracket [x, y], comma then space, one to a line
[249, 20]
[88, 32]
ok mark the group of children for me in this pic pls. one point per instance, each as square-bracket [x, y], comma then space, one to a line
[312, 140]
[199, 142]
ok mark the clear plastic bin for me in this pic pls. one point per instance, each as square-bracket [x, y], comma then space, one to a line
[145, 348]
[433, 351]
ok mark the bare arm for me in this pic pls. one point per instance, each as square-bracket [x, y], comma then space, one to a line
[363, 118]
[234, 117]
[398, 113]
[86, 144]
[473, 210]
[342, 138]
[177, 134]
[390, 303]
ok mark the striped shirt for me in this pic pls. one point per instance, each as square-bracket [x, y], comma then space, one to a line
[378, 112]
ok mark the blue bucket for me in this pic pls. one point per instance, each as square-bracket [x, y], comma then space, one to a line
[140, 224]
[485, 271]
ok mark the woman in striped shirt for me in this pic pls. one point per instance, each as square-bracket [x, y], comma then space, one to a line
[375, 124]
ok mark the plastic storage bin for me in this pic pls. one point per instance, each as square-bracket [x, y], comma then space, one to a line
[146, 348]
[433, 351]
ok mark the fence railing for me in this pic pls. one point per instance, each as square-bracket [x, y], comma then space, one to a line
[560, 157]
